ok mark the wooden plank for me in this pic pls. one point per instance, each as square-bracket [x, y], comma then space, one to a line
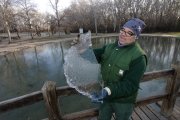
[151, 108]
[65, 91]
[51, 100]
[31, 98]
[173, 86]
[176, 110]
[80, 115]
[21, 101]
[93, 118]
[134, 116]
[141, 114]
[176, 113]
[151, 99]
[89, 118]
[37, 96]
[157, 74]
[172, 118]
[148, 113]
[178, 102]
[156, 111]
[177, 107]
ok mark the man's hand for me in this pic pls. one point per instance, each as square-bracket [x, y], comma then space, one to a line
[99, 96]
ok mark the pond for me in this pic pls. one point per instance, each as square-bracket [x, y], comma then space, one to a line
[26, 71]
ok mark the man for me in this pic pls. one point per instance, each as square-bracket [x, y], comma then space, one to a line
[123, 63]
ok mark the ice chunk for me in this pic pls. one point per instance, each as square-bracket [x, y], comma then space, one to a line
[81, 68]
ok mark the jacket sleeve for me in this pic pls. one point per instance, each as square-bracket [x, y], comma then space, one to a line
[131, 79]
[98, 53]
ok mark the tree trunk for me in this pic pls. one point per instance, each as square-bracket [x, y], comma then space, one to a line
[17, 32]
[95, 24]
[8, 32]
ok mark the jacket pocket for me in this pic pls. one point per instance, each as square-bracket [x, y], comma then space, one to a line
[119, 70]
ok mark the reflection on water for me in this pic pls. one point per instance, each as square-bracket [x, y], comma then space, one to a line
[161, 52]
[26, 71]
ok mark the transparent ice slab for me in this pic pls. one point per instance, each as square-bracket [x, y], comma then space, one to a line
[81, 68]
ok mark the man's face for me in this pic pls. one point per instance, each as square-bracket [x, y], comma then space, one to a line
[126, 36]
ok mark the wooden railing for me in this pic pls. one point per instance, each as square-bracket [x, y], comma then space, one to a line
[52, 92]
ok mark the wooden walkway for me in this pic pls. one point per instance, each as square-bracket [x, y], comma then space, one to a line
[151, 112]
[147, 112]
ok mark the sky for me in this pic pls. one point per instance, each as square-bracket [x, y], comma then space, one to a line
[44, 5]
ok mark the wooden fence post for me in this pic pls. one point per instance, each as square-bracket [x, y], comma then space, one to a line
[51, 100]
[172, 88]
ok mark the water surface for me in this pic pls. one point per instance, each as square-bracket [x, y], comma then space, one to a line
[26, 71]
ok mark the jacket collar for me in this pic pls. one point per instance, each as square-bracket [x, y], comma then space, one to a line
[121, 46]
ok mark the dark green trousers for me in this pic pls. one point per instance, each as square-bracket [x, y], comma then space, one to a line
[122, 111]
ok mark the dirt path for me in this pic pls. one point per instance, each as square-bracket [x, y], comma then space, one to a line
[6, 48]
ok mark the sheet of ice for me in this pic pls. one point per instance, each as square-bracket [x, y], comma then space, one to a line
[81, 68]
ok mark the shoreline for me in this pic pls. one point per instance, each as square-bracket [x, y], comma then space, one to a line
[24, 44]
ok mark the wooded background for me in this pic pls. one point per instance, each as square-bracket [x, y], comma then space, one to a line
[103, 16]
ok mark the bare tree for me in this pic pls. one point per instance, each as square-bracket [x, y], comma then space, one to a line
[27, 12]
[58, 16]
[6, 13]
[38, 23]
[110, 15]
[94, 8]
[47, 23]
[106, 12]
[14, 25]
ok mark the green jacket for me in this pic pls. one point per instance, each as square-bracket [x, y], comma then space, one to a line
[122, 69]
